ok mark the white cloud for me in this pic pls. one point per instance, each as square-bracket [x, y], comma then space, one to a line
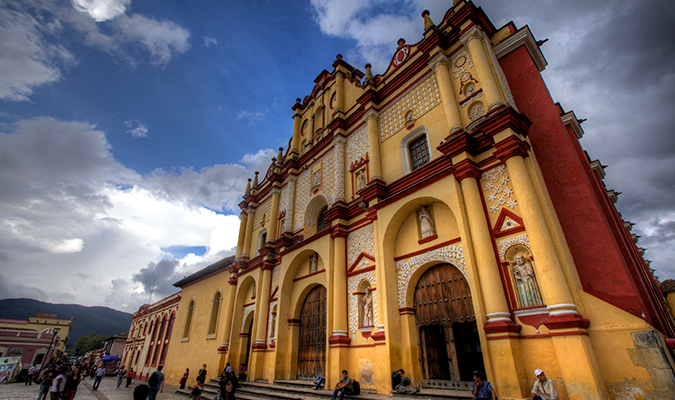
[36, 36]
[210, 41]
[101, 10]
[164, 40]
[251, 116]
[137, 128]
[75, 225]
[27, 59]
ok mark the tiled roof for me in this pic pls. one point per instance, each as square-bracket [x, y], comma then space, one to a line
[668, 286]
[215, 267]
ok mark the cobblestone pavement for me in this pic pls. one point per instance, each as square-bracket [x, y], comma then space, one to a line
[107, 391]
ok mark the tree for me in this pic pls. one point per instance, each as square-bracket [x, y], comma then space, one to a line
[89, 342]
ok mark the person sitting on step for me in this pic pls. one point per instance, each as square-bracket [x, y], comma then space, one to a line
[343, 387]
[403, 383]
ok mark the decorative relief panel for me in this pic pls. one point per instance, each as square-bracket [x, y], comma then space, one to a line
[271, 322]
[247, 310]
[500, 74]
[335, 189]
[352, 284]
[360, 241]
[275, 278]
[496, 183]
[302, 193]
[461, 63]
[420, 99]
[453, 254]
[504, 244]
[357, 145]
[263, 210]
[287, 198]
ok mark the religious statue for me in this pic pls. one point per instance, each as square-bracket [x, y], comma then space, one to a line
[367, 309]
[361, 176]
[526, 283]
[313, 263]
[274, 321]
[426, 224]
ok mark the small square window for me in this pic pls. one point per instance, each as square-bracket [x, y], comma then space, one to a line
[419, 152]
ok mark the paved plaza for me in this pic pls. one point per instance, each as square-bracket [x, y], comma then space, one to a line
[107, 391]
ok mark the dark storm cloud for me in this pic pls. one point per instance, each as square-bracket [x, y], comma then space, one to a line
[157, 277]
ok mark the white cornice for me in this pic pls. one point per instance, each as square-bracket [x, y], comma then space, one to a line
[570, 119]
[522, 37]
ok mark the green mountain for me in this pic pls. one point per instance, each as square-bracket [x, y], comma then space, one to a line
[86, 320]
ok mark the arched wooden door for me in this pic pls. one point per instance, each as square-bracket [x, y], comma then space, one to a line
[312, 346]
[448, 336]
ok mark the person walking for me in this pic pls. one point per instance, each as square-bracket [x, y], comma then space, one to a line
[58, 385]
[46, 384]
[30, 375]
[100, 372]
[120, 375]
[201, 375]
[184, 379]
[130, 377]
[73, 379]
[156, 383]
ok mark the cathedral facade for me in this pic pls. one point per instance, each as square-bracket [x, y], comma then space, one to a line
[441, 217]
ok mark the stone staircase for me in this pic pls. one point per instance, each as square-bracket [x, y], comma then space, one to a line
[304, 390]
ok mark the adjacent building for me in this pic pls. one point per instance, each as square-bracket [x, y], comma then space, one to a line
[147, 343]
[441, 217]
[33, 339]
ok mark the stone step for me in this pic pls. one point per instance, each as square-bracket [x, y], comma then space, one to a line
[304, 390]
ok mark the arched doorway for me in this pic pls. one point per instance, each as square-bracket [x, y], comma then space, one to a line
[312, 338]
[446, 324]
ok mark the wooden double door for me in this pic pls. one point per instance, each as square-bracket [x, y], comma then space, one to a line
[312, 340]
[449, 345]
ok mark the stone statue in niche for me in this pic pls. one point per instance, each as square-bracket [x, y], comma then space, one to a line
[525, 280]
[274, 320]
[367, 308]
[361, 179]
[317, 178]
[313, 263]
[426, 224]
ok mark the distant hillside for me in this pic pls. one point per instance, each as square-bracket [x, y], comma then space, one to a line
[85, 319]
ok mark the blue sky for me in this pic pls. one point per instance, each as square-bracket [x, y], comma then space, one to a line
[128, 128]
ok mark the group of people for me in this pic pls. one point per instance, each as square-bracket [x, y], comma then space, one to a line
[228, 382]
[481, 389]
[59, 382]
[543, 388]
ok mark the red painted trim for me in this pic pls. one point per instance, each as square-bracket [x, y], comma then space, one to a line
[358, 260]
[503, 214]
[309, 275]
[249, 304]
[360, 271]
[429, 239]
[434, 247]
[338, 339]
[357, 225]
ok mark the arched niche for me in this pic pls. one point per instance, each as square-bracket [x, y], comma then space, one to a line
[312, 212]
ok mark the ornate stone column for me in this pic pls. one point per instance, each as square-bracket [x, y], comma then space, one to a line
[440, 65]
[274, 215]
[227, 317]
[494, 298]
[375, 163]
[242, 233]
[249, 232]
[475, 42]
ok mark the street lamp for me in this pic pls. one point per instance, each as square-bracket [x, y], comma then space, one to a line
[56, 331]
